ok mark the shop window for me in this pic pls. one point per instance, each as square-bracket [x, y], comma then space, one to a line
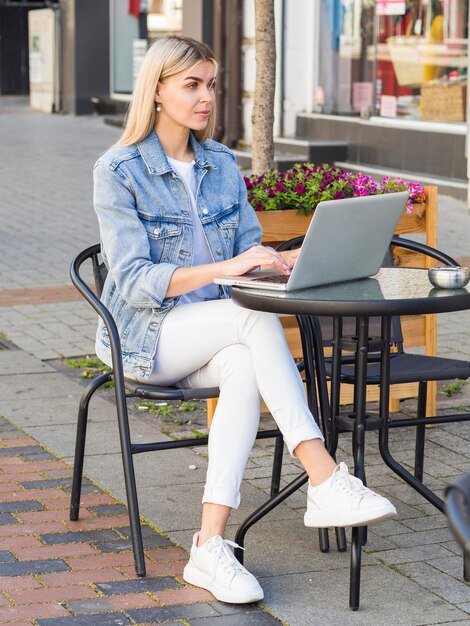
[403, 59]
[134, 25]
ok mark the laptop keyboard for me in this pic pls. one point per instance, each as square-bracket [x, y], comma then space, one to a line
[281, 279]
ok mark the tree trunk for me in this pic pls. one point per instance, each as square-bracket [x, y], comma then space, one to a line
[263, 105]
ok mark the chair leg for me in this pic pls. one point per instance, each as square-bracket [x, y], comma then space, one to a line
[420, 431]
[129, 476]
[323, 540]
[82, 422]
[277, 466]
[341, 539]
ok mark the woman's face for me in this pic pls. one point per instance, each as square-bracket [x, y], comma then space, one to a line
[186, 99]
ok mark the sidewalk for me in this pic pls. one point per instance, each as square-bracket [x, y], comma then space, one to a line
[412, 568]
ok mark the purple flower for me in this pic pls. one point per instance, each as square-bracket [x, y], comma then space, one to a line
[300, 189]
[280, 187]
[259, 206]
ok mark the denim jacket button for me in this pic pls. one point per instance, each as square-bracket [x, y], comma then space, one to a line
[156, 230]
[205, 211]
[154, 325]
[219, 251]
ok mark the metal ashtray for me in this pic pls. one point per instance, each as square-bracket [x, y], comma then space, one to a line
[449, 277]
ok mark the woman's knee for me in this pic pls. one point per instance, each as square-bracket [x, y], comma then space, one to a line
[235, 365]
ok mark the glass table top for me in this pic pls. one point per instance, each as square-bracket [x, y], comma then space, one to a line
[394, 290]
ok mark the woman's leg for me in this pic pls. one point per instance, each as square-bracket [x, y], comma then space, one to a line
[218, 343]
[199, 338]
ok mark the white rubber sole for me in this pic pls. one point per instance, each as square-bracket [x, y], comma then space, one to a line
[335, 520]
[197, 578]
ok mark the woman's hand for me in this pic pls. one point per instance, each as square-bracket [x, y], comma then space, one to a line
[290, 257]
[258, 256]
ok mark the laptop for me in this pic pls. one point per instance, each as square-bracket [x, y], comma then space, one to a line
[346, 239]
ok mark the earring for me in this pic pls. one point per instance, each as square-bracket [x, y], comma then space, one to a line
[159, 108]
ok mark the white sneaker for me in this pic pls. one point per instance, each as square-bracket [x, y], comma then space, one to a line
[342, 500]
[214, 567]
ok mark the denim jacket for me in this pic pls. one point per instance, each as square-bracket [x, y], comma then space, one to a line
[146, 228]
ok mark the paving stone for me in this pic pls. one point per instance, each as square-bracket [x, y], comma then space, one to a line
[23, 450]
[22, 505]
[7, 557]
[452, 565]
[147, 531]
[46, 484]
[119, 545]
[428, 522]
[408, 555]
[250, 618]
[102, 619]
[34, 567]
[108, 509]
[445, 586]
[225, 608]
[422, 538]
[139, 585]
[80, 536]
[175, 612]
[39, 456]
[87, 488]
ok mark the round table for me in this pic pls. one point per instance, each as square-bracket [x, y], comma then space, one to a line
[393, 291]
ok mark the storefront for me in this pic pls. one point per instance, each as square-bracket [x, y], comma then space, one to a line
[390, 77]
[134, 25]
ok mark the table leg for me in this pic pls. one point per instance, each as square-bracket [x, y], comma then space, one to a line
[335, 384]
[358, 452]
[384, 424]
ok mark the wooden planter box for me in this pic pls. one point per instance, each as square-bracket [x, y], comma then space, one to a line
[418, 331]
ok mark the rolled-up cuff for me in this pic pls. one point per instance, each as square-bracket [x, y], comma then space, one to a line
[219, 495]
[303, 432]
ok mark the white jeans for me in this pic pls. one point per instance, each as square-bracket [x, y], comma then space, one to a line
[244, 353]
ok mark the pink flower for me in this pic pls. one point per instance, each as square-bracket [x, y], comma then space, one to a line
[300, 189]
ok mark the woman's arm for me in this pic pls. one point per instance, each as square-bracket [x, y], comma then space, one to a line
[186, 279]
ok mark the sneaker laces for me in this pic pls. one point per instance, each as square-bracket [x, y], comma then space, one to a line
[227, 559]
[348, 483]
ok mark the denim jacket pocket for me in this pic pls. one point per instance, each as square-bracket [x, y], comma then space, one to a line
[229, 218]
[164, 239]
[227, 222]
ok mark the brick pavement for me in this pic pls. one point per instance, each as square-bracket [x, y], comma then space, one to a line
[54, 572]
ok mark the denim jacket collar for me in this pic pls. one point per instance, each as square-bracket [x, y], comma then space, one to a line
[155, 159]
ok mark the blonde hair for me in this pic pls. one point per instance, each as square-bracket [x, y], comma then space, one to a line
[165, 57]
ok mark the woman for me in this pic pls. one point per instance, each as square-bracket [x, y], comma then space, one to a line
[173, 214]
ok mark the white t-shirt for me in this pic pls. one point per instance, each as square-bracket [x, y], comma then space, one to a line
[201, 252]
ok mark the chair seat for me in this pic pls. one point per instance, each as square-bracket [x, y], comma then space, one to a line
[155, 392]
[409, 368]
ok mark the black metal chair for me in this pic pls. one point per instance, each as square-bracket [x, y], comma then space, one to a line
[125, 389]
[458, 516]
[404, 367]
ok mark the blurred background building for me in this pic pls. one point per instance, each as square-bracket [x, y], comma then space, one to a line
[376, 85]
